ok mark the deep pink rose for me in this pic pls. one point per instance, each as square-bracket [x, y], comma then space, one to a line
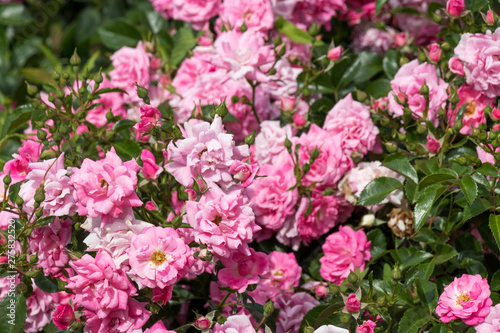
[352, 304]
[455, 7]
[433, 145]
[150, 169]
[63, 316]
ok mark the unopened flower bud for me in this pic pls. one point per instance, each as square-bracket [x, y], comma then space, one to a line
[75, 59]
[335, 53]
[368, 220]
[203, 323]
[31, 89]
[250, 139]
[268, 308]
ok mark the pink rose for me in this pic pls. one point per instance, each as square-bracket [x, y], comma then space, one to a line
[434, 52]
[433, 145]
[478, 53]
[158, 327]
[63, 316]
[244, 172]
[150, 169]
[242, 269]
[131, 66]
[400, 39]
[491, 323]
[203, 323]
[345, 251]
[351, 121]
[269, 143]
[255, 14]
[335, 53]
[105, 187]
[489, 19]
[456, 66]
[288, 103]
[19, 166]
[367, 327]
[466, 298]
[298, 119]
[455, 7]
[236, 323]
[293, 308]
[149, 119]
[352, 304]
[408, 81]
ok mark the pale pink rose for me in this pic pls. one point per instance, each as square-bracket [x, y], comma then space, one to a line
[455, 7]
[255, 14]
[189, 71]
[157, 257]
[434, 52]
[99, 286]
[484, 156]
[287, 103]
[352, 304]
[367, 327]
[59, 193]
[368, 38]
[269, 143]
[244, 172]
[345, 251]
[293, 309]
[466, 298]
[158, 327]
[330, 329]
[196, 12]
[362, 175]
[284, 82]
[284, 273]
[127, 320]
[478, 53]
[49, 243]
[106, 187]
[433, 145]
[242, 54]
[474, 113]
[114, 237]
[40, 306]
[331, 164]
[222, 220]
[242, 269]
[335, 53]
[491, 323]
[456, 66]
[271, 201]
[63, 316]
[233, 324]
[408, 81]
[164, 7]
[150, 169]
[131, 66]
[19, 166]
[351, 120]
[207, 152]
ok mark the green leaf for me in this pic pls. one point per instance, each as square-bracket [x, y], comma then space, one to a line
[379, 243]
[19, 117]
[479, 206]
[123, 124]
[443, 175]
[44, 221]
[411, 190]
[37, 75]
[413, 320]
[488, 169]
[391, 63]
[127, 149]
[292, 31]
[377, 190]
[14, 14]
[424, 204]
[379, 4]
[477, 5]
[444, 252]
[47, 284]
[474, 267]
[495, 281]
[495, 227]
[401, 164]
[12, 313]
[156, 21]
[408, 257]
[366, 65]
[427, 294]
[118, 33]
[314, 267]
[440, 328]
[184, 40]
[469, 188]
[109, 90]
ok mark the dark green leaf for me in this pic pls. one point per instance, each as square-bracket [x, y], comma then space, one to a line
[118, 33]
[427, 293]
[413, 320]
[366, 65]
[475, 267]
[379, 4]
[444, 252]
[495, 281]
[377, 190]
[44, 221]
[12, 313]
[469, 188]
[314, 267]
[123, 124]
[440, 328]
[488, 169]
[495, 227]
[443, 175]
[407, 257]
[127, 149]
[109, 90]
[477, 5]
[391, 63]
[479, 206]
[379, 243]
[19, 117]
[292, 31]
[47, 284]
[424, 204]
[411, 190]
[401, 164]
[184, 40]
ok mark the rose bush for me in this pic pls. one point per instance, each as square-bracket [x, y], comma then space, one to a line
[250, 166]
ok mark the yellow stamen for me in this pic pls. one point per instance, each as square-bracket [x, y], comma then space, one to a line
[158, 258]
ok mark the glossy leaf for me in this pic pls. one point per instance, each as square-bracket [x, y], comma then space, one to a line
[377, 190]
